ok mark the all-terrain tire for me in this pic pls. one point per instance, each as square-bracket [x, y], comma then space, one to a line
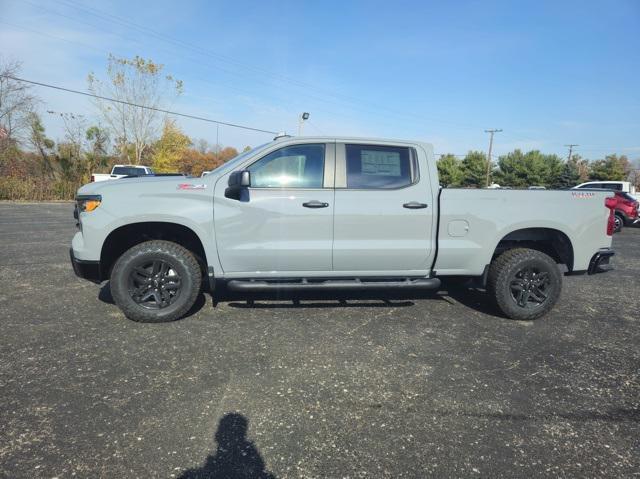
[180, 263]
[528, 274]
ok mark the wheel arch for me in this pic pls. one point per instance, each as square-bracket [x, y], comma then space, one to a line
[551, 241]
[126, 236]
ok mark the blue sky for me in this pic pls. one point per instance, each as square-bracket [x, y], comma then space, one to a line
[547, 72]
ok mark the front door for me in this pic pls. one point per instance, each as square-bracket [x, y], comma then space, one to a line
[383, 210]
[284, 225]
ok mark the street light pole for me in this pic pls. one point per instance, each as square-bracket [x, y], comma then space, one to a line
[491, 132]
[301, 119]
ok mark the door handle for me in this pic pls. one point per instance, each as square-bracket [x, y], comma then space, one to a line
[315, 204]
[414, 205]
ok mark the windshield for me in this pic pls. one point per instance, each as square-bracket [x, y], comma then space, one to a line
[235, 161]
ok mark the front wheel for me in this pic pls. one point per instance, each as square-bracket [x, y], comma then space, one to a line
[155, 281]
[525, 283]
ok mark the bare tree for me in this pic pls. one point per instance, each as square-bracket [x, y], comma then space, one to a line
[41, 144]
[134, 81]
[16, 103]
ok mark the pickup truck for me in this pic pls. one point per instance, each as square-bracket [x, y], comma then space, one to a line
[121, 171]
[318, 213]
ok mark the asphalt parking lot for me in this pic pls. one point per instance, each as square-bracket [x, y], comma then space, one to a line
[437, 385]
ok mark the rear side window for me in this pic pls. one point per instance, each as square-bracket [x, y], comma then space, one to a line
[298, 166]
[376, 166]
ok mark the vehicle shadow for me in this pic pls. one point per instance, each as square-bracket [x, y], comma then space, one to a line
[467, 297]
[319, 299]
[473, 298]
[235, 456]
[105, 296]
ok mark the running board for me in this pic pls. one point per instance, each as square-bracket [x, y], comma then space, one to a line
[348, 285]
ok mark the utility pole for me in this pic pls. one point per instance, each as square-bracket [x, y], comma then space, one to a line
[570, 146]
[491, 132]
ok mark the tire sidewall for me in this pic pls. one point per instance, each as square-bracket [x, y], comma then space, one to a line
[503, 287]
[145, 253]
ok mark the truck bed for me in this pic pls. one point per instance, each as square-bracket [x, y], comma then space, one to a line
[473, 221]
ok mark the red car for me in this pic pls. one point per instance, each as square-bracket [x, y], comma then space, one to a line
[626, 210]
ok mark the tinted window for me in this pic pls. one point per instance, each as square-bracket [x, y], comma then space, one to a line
[374, 166]
[128, 170]
[627, 196]
[299, 166]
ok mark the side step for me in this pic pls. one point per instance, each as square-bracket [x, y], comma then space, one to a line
[342, 284]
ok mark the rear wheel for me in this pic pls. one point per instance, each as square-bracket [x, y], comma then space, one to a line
[525, 283]
[619, 223]
[156, 281]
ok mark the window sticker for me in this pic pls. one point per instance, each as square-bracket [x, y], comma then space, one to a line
[380, 163]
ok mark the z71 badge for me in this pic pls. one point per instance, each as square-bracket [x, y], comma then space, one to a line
[191, 186]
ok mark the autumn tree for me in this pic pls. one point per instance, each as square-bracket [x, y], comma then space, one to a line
[450, 170]
[582, 166]
[170, 148]
[134, 83]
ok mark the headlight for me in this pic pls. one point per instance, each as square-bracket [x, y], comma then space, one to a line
[88, 203]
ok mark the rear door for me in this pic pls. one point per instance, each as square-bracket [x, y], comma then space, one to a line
[383, 219]
[284, 225]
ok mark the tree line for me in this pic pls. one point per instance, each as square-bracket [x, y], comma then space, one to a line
[518, 169]
[34, 166]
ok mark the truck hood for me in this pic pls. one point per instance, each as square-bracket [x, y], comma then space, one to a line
[139, 185]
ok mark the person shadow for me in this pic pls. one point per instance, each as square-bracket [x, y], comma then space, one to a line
[235, 458]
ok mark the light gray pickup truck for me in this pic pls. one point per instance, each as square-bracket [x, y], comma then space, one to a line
[337, 214]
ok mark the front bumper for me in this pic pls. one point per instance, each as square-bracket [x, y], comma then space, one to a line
[600, 261]
[89, 270]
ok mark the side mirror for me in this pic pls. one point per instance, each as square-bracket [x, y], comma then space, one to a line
[238, 182]
[240, 178]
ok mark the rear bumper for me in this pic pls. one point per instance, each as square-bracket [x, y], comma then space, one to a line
[89, 270]
[600, 261]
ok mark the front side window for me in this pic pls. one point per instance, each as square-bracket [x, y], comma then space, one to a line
[298, 166]
[376, 166]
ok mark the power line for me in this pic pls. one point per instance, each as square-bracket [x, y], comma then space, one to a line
[357, 104]
[185, 115]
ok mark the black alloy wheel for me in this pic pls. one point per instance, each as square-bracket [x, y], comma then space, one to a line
[530, 287]
[156, 281]
[525, 283]
[154, 284]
